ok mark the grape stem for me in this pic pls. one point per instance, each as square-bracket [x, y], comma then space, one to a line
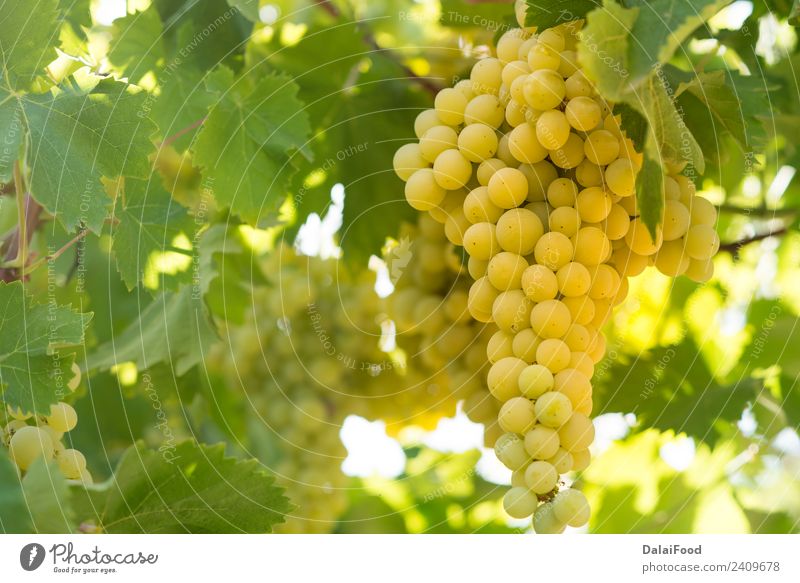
[22, 218]
[426, 83]
[81, 234]
[196, 124]
[735, 246]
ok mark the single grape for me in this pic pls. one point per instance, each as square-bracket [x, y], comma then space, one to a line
[545, 521]
[577, 433]
[562, 192]
[480, 241]
[544, 89]
[524, 146]
[583, 113]
[519, 231]
[552, 129]
[621, 177]
[508, 188]
[510, 450]
[484, 109]
[550, 319]
[553, 250]
[422, 190]
[505, 270]
[28, 444]
[571, 508]
[503, 378]
[449, 105]
[702, 242]
[436, 140]
[517, 415]
[520, 502]
[554, 354]
[573, 280]
[452, 170]
[524, 345]
[541, 442]
[72, 463]
[541, 477]
[553, 409]
[479, 208]
[477, 142]
[535, 380]
[62, 417]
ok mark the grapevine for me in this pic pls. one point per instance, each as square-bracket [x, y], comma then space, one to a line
[441, 266]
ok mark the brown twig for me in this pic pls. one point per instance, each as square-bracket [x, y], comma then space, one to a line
[328, 7]
[735, 246]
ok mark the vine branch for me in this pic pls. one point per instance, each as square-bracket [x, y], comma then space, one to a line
[735, 246]
[758, 211]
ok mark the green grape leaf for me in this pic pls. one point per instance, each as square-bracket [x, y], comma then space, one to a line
[76, 13]
[181, 106]
[204, 34]
[149, 220]
[15, 517]
[726, 101]
[633, 123]
[175, 328]
[672, 388]
[28, 39]
[650, 193]
[787, 396]
[48, 498]
[776, 331]
[31, 369]
[660, 28]
[136, 44]
[361, 110]
[74, 139]
[247, 8]
[190, 488]
[674, 140]
[604, 48]
[246, 145]
[227, 273]
[743, 40]
[546, 13]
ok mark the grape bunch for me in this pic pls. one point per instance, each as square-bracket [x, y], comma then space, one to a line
[29, 437]
[286, 356]
[528, 168]
[312, 350]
